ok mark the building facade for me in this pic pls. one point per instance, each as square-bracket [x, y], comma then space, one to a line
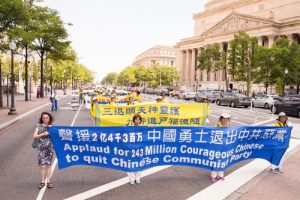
[221, 19]
[162, 55]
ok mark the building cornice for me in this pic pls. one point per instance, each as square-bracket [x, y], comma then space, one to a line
[224, 8]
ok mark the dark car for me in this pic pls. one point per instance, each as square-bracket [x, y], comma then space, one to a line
[199, 97]
[213, 96]
[234, 100]
[289, 104]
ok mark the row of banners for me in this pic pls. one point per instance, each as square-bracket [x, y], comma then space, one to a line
[135, 148]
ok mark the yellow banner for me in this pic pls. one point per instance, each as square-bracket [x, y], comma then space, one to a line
[153, 114]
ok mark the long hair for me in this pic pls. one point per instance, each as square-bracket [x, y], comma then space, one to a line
[50, 118]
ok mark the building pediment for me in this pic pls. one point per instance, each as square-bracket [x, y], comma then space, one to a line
[236, 22]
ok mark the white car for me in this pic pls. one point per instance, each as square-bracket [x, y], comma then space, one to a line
[187, 94]
[265, 101]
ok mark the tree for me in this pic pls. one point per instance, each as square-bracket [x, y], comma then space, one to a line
[285, 58]
[212, 59]
[169, 75]
[245, 58]
[50, 36]
[127, 76]
[266, 65]
[110, 78]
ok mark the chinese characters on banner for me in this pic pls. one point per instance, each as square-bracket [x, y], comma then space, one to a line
[153, 114]
[136, 148]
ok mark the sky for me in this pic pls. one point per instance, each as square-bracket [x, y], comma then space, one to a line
[109, 34]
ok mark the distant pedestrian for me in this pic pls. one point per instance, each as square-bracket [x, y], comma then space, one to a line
[53, 102]
[45, 150]
[223, 122]
[135, 177]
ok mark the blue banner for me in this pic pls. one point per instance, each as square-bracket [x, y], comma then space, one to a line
[135, 148]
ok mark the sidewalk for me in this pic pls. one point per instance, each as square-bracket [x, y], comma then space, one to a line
[23, 107]
[277, 186]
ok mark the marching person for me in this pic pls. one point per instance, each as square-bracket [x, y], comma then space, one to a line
[135, 177]
[206, 109]
[45, 149]
[138, 97]
[223, 122]
[282, 121]
[131, 101]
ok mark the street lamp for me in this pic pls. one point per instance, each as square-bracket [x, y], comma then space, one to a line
[51, 78]
[65, 82]
[286, 71]
[12, 110]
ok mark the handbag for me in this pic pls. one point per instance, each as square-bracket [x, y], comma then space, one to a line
[35, 143]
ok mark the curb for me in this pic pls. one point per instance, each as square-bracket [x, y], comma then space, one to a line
[10, 122]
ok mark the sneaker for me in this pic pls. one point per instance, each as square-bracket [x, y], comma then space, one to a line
[213, 179]
[278, 170]
[273, 171]
[138, 181]
[131, 182]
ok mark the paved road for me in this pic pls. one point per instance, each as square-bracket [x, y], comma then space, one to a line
[19, 171]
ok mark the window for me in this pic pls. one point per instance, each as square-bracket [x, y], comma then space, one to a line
[172, 62]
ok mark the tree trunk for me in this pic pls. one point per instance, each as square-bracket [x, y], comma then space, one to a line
[298, 88]
[42, 74]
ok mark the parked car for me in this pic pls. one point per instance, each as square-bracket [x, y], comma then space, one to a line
[199, 97]
[265, 101]
[234, 100]
[187, 94]
[213, 96]
[289, 104]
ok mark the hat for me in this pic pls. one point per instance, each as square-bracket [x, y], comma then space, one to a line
[225, 115]
[159, 98]
[281, 114]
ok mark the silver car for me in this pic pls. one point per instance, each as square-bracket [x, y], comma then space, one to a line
[265, 101]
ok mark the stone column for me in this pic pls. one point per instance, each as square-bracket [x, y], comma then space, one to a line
[187, 66]
[290, 37]
[260, 40]
[183, 66]
[193, 64]
[271, 40]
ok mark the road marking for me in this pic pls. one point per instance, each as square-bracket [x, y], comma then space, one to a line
[114, 184]
[42, 191]
[237, 178]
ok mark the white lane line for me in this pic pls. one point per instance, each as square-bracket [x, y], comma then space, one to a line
[42, 191]
[233, 181]
[114, 184]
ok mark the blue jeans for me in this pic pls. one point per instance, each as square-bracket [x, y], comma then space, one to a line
[54, 105]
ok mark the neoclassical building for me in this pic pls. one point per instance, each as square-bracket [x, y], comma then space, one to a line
[221, 19]
[159, 54]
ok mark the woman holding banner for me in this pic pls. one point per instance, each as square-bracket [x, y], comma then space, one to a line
[44, 148]
[281, 122]
[135, 177]
[223, 122]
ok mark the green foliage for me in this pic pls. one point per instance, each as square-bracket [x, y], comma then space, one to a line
[110, 78]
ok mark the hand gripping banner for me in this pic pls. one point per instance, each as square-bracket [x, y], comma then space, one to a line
[136, 148]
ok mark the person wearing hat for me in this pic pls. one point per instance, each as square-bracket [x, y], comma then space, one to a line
[206, 108]
[281, 122]
[93, 108]
[112, 100]
[223, 122]
[159, 99]
[131, 101]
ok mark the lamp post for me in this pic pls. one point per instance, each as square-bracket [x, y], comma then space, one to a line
[12, 110]
[286, 71]
[51, 78]
[65, 82]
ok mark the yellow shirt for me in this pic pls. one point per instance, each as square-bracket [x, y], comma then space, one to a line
[138, 98]
[99, 97]
[278, 123]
